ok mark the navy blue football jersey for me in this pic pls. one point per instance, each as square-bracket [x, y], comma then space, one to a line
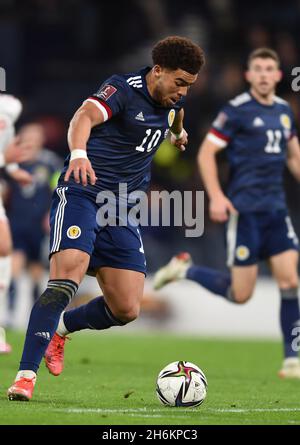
[121, 149]
[255, 137]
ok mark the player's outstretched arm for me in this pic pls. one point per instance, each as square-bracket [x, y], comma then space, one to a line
[219, 205]
[293, 159]
[85, 118]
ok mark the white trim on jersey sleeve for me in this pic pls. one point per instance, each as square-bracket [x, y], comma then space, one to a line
[216, 140]
[99, 106]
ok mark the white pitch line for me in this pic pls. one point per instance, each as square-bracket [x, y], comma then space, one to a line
[146, 412]
[130, 411]
[254, 410]
[154, 416]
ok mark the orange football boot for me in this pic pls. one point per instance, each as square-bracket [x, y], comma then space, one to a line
[54, 355]
[21, 390]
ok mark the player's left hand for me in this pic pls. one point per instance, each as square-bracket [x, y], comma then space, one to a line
[180, 142]
[21, 176]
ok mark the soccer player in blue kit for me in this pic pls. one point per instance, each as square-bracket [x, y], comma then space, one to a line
[113, 137]
[257, 129]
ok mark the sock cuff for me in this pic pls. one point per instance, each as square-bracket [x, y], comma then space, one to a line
[68, 287]
[289, 294]
[27, 374]
[61, 327]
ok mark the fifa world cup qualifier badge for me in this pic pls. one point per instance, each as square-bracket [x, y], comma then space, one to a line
[73, 232]
[106, 92]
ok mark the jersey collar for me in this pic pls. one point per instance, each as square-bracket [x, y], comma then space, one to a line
[261, 104]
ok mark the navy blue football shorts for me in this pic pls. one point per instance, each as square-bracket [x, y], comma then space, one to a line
[255, 236]
[73, 222]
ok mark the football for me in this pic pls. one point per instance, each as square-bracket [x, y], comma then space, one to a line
[181, 384]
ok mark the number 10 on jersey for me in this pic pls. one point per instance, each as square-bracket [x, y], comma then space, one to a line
[152, 141]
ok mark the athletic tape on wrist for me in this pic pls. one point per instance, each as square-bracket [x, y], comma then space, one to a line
[77, 154]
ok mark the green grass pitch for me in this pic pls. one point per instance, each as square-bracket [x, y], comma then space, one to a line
[109, 379]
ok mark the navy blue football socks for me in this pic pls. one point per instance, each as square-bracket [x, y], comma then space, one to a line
[43, 321]
[289, 319]
[214, 280]
[93, 315]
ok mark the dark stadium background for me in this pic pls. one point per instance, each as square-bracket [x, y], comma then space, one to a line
[56, 52]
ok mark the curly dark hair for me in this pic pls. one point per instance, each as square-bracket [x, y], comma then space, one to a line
[178, 52]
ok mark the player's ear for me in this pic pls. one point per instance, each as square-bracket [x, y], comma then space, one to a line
[157, 70]
[247, 75]
[279, 75]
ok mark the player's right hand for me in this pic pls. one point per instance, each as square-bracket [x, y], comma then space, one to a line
[220, 207]
[180, 142]
[82, 170]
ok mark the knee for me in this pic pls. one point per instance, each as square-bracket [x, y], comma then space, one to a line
[241, 296]
[127, 313]
[291, 282]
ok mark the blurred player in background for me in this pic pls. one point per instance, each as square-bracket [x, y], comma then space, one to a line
[11, 152]
[257, 129]
[32, 200]
[113, 138]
